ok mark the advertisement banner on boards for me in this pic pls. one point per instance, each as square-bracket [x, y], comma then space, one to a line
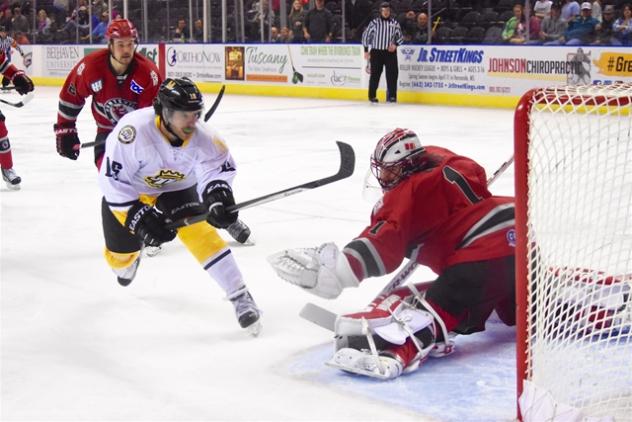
[199, 62]
[508, 70]
[59, 60]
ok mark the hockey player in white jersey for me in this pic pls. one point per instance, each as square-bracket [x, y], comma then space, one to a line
[162, 164]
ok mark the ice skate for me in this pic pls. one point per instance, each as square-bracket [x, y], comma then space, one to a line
[246, 310]
[11, 179]
[152, 251]
[126, 275]
[240, 232]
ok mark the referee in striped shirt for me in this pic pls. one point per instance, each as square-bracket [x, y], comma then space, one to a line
[380, 41]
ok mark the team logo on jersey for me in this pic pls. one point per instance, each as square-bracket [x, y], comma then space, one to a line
[154, 77]
[136, 89]
[163, 178]
[80, 69]
[72, 90]
[96, 86]
[116, 108]
[511, 238]
[127, 134]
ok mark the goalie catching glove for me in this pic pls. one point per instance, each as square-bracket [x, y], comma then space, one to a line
[148, 224]
[323, 271]
[217, 197]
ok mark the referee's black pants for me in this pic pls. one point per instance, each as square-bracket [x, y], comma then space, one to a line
[379, 59]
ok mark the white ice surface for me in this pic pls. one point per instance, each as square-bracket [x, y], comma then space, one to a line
[77, 346]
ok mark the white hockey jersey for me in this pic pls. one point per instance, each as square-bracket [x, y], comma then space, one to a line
[139, 160]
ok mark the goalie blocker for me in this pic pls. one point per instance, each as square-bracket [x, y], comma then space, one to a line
[440, 200]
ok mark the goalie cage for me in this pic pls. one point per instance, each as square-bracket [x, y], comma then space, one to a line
[573, 155]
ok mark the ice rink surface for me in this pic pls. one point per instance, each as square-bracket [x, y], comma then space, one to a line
[76, 346]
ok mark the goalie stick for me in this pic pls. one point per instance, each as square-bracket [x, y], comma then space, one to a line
[327, 319]
[347, 165]
[207, 116]
[25, 100]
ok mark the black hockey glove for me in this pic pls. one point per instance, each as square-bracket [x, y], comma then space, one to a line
[217, 197]
[148, 224]
[68, 144]
[23, 84]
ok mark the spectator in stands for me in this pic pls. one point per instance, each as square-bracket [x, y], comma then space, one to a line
[43, 22]
[98, 33]
[542, 8]
[19, 22]
[582, 29]
[6, 20]
[623, 26]
[408, 23]
[515, 28]
[553, 27]
[274, 34]
[596, 10]
[318, 24]
[605, 29]
[296, 19]
[421, 33]
[285, 35]
[358, 15]
[198, 30]
[68, 33]
[181, 32]
[570, 10]
[260, 11]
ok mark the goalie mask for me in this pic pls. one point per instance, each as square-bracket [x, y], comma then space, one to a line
[397, 155]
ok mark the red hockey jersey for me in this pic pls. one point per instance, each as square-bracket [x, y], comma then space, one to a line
[447, 209]
[112, 96]
[6, 68]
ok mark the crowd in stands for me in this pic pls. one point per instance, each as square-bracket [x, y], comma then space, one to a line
[569, 22]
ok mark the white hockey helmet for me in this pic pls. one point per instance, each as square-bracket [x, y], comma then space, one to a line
[397, 155]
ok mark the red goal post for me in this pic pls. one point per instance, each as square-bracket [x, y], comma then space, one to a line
[573, 158]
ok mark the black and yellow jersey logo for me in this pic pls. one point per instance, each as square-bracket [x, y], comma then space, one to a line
[163, 178]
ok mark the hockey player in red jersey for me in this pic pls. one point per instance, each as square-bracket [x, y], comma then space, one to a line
[118, 79]
[23, 85]
[439, 201]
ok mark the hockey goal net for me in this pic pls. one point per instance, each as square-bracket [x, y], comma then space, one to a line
[573, 151]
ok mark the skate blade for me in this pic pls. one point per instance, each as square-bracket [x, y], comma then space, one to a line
[152, 251]
[358, 371]
[254, 329]
[13, 187]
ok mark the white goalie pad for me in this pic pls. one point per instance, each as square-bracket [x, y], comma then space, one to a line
[362, 362]
[408, 322]
[323, 271]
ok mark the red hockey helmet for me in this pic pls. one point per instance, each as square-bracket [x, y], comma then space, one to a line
[121, 28]
[397, 155]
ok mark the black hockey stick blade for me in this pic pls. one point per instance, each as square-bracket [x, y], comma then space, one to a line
[210, 112]
[25, 100]
[347, 165]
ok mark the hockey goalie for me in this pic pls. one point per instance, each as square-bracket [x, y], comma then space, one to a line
[435, 203]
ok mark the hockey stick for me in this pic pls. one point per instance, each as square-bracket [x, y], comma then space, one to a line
[347, 165]
[207, 116]
[24, 101]
[211, 110]
[296, 75]
[326, 319]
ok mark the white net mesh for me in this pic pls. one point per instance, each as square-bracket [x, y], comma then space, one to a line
[579, 226]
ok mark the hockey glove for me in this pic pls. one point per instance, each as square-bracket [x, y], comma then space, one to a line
[148, 224]
[68, 144]
[23, 84]
[217, 197]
